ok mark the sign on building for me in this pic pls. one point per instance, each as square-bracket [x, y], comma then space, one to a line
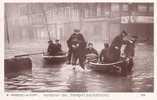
[144, 19]
[136, 19]
[125, 19]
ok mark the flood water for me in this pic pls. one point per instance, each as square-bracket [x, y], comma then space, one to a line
[62, 78]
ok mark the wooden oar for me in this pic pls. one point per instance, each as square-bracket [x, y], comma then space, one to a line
[29, 54]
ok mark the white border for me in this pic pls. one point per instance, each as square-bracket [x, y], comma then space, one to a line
[113, 95]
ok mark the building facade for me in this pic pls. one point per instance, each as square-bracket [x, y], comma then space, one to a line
[99, 22]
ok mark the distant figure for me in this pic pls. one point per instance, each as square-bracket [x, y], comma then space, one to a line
[91, 53]
[76, 44]
[50, 49]
[104, 53]
[115, 48]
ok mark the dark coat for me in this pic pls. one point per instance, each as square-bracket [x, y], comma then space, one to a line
[104, 55]
[54, 49]
[117, 42]
[76, 39]
[129, 49]
[92, 50]
[50, 49]
[114, 50]
[58, 47]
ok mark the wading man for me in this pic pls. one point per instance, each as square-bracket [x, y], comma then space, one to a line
[76, 44]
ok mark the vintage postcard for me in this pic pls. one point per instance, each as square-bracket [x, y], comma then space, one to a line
[78, 49]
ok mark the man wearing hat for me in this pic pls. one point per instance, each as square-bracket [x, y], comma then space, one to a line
[116, 46]
[58, 45]
[50, 49]
[76, 44]
[129, 51]
[130, 47]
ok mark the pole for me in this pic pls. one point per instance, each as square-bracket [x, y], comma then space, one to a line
[45, 17]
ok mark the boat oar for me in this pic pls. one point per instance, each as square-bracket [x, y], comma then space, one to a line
[29, 54]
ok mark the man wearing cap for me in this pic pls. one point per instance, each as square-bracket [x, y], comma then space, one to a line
[76, 44]
[58, 46]
[115, 47]
[129, 51]
[50, 49]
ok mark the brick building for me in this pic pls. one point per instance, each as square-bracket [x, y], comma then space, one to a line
[97, 21]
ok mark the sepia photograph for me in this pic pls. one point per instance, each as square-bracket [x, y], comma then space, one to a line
[79, 47]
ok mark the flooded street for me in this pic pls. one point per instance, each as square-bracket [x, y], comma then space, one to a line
[62, 78]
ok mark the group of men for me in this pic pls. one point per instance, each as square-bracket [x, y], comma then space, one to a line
[54, 48]
[79, 50]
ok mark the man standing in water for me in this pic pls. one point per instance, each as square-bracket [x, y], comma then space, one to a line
[129, 51]
[76, 44]
[116, 46]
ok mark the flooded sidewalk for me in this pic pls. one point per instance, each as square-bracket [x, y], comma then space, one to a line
[62, 78]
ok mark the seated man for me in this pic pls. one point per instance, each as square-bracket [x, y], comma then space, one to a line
[91, 53]
[58, 48]
[50, 49]
[54, 48]
[104, 53]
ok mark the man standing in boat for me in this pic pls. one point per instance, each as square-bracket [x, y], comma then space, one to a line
[76, 44]
[115, 47]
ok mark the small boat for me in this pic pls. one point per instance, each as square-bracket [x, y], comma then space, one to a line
[57, 59]
[120, 67]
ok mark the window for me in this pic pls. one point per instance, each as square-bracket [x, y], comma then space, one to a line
[125, 7]
[86, 12]
[98, 11]
[142, 8]
[23, 10]
[75, 12]
[90, 12]
[67, 11]
[115, 7]
[105, 10]
[151, 8]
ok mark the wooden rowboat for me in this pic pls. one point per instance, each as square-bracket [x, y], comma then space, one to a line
[54, 59]
[115, 67]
